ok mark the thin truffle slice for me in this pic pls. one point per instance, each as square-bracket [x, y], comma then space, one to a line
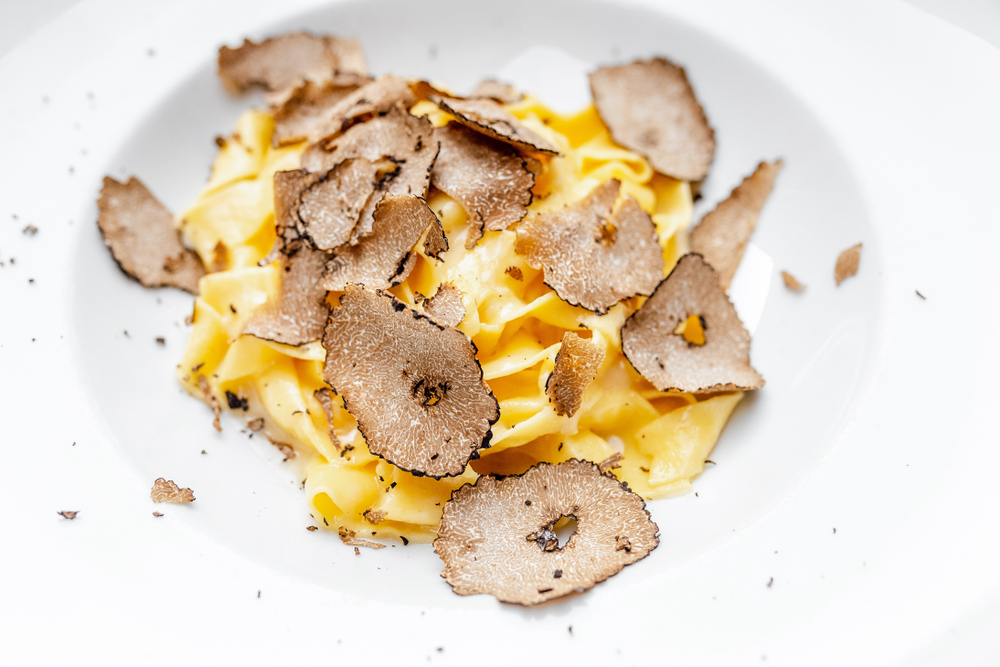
[299, 314]
[650, 107]
[497, 536]
[279, 63]
[594, 256]
[307, 106]
[488, 178]
[329, 208]
[446, 306]
[504, 93]
[651, 343]
[139, 231]
[847, 264]
[577, 363]
[722, 235]
[486, 116]
[415, 386]
[372, 99]
[166, 491]
[435, 243]
[325, 398]
[384, 257]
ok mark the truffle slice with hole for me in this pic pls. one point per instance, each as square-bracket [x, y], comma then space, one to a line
[651, 342]
[502, 93]
[279, 63]
[847, 264]
[446, 306]
[486, 116]
[299, 314]
[488, 178]
[650, 107]
[415, 386]
[722, 235]
[372, 99]
[497, 536]
[594, 255]
[139, 231]
[384, 257]
[166, 491]
[577, 363]
[399, 137]
[307, 106]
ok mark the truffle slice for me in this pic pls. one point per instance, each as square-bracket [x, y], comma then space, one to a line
[166, 491]
[503, 93]
[664, 357]
[497, 536]
[847, 264]
[446, 306]
[307, 106]
[329, 209]
[325, 398]
[486, 116]
[278, 63]
[299, 314]
[577, 363]
[489, 179]
[435, 243]
[594, 256]
[650, 107]
[722, 235]
[383, 258]
[398, 136]
[142, 238]
[415, 386]
[372, 99]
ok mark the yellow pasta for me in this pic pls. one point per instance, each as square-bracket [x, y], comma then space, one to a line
[516, 324]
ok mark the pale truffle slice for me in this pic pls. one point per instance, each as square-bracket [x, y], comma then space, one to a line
[384, 257]
[435, 243]
[653, 340]
[415, 386]
[486, 116]
[577, 363]
[446, 306]
[139, 231]
[299, 314]
[722, 235]
[504, 93]
[370, 100]
[594, 256]
[847, 264]
[281, 62]
[497, 536]
[307, 106]
[329, 209]
[489, 179]
[650, 107]
[166, 491]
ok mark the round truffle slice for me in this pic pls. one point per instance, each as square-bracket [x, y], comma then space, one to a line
[415, 386]
[279, 63]
[383, 258]
[486, 116]
[139, 231]
[653, 337]
[577, 363]
[497, 536]
[650, 107]
[722, 235]
[594, 255]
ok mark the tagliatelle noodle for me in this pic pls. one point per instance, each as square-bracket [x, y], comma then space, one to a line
[516, 325]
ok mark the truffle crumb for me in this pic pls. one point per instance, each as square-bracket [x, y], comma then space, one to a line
[166, 491]
[491, 541]
[68, 515]
[30, 230]
[348, 538]
[374, 517]
[312, 529]
[791, 282]
[514, 272]
[140, 233]
[613, 461]
[666, 359]
[650, 107]
[847, 264]
[256, 425]
[325, 398]
[722, 235]
[576, 366]
[157, 514]
[283, 447]
[212, 401]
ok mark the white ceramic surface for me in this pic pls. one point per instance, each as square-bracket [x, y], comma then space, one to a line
[876, 405]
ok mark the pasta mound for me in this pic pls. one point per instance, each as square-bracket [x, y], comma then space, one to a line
[516, 322]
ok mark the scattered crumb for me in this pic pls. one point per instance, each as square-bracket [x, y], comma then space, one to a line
[791, 282]
[161, 340]
[166, 491]
[30, 230]
[256, 425]
[312, 529]
[770, 582]
[68, 515]
[920, 295]
[157, 514]
[847, 263]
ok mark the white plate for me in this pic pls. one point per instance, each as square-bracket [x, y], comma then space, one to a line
[876, 420]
